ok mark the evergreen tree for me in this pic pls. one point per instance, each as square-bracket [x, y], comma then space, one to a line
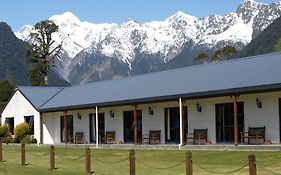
[42, 52]
[225, 52]
[277, 47]
[202, 57]
[6, 90]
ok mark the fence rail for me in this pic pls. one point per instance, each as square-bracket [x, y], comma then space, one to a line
[132, 159]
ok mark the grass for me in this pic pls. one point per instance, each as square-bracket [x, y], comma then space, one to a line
[105, 161]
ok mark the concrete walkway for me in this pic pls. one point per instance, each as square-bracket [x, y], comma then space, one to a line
[213, 147]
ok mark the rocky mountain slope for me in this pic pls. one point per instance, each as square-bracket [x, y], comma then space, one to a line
[265, 41]
[104, 51]
[13, 64]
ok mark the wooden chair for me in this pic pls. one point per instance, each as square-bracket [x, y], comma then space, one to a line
[145, 138]
[155, 136]
[110, 137]
[198, 136]
[79, 137]
[254, 133]
[71, 138]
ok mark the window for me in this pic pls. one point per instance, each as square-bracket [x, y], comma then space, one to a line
[10, 122]
[30, 121]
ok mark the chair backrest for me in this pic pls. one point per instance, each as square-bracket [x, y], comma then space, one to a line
[79, 134]
[202, 132]
[155, 133]
[254, 130]
[110, 134]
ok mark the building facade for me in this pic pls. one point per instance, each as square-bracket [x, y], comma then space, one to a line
[214, 96]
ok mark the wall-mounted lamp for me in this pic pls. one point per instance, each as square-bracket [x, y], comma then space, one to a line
[258, 103]
[150, 111]
[111, 114]
[198, 107]
[79, 116]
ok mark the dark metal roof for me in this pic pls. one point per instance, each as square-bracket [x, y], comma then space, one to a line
[38, 96]
[245, 75]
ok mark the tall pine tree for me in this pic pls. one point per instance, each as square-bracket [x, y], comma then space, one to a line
[42, 52]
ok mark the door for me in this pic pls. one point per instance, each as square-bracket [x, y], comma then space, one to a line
[172, 124]
[225, 121]
[92, 126]
[128, 119]
[69, 120]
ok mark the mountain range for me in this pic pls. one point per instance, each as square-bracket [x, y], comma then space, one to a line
[13, 65]
[94, 52]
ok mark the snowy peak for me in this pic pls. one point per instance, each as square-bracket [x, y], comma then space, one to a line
[181, 16]
[163, 40]
[66, 18]
[24, 32]
[130, 23]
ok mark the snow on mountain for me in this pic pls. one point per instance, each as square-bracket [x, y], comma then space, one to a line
[166, 39]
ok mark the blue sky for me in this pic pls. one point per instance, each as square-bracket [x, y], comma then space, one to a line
[20, 12]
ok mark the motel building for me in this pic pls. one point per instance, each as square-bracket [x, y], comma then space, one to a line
[223, 99]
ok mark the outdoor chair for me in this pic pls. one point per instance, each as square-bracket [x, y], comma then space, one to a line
[71, 138]
[79, 138]
[155, 136]
[101, 137]
[145, 138]
[198, 136]
[110, 137]
[255, 135]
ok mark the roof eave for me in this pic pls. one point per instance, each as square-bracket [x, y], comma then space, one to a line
[190, 96]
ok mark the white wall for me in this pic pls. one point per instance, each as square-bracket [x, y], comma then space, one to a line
[267, 116]
[18, 107]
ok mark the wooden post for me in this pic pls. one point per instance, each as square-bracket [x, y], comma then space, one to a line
[65, 127]
[88, 161]
[252, 165]
[22, 154]
[41, 128]
[132, 162]
[52, 157]
[135, 124]
[189, 170]
[235, 116]
[1, 156]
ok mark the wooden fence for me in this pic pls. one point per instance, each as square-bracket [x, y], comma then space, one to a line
[132, 159]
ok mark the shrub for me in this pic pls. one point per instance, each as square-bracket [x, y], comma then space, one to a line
[20, 131]
[27, 139]
[3, 130]
[5, 134]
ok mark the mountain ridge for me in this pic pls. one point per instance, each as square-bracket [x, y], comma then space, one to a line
[152, 44]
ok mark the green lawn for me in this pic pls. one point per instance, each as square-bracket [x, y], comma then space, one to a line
[148, 162]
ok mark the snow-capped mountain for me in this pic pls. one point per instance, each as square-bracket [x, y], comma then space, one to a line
[98, 50]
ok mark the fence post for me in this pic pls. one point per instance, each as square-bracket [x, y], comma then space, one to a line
[52, 157]
[88, 161]
[1, 155]
[189, 170]
[252, 165]
[22, 154]
[132, 162]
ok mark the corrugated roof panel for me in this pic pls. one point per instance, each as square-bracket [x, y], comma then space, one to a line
[240, 73]
[37, 96]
